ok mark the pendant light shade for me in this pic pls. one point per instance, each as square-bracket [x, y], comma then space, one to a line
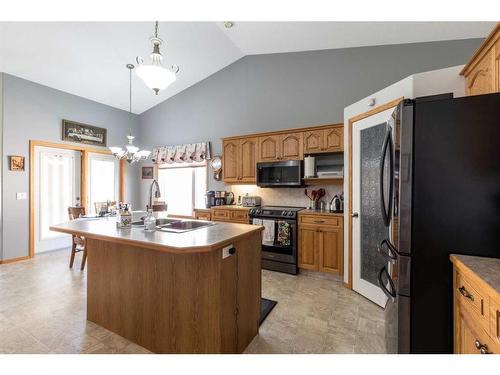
[155, 75]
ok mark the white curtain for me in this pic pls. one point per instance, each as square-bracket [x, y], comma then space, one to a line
[185, 153]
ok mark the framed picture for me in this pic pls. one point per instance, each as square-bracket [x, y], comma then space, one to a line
[82, 133]
[147, 173]
[16, 163]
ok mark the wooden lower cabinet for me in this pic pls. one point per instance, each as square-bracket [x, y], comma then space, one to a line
[321, 246]
[476, 310]
[232, 214]
[202, 214]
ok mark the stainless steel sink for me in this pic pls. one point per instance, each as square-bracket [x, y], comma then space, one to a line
[140, 223]
[181, 226]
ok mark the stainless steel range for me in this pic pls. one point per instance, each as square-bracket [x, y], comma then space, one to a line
[280, 237]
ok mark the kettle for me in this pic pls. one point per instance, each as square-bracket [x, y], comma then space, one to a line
[229, 197]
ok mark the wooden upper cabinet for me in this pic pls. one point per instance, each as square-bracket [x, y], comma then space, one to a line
[324, 140]
[482, 72]
[248, 159]
[334, 139]
[230, 160]
[269, 148]
[481, 79]
[240, 160]
[291, 146]
[313, 141]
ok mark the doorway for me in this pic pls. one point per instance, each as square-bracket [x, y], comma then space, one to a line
[57, 186]
[103, 180]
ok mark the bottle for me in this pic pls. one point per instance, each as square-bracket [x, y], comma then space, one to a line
[150, 222]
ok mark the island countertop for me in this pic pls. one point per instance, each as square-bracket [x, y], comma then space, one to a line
[199, 240]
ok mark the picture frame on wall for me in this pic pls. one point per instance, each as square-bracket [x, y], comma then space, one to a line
[78, 132]
[147, 173]
[16, 163]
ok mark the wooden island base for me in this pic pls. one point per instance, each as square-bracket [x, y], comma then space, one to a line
[176, 302]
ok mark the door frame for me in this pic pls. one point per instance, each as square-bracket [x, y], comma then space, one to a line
[84, 150]
[352, 120]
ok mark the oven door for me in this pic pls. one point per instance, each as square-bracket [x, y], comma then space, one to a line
[281, 173]
[284, 250]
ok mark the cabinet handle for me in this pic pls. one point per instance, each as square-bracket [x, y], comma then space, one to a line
[483, 349]
[319, 221]
[466, 293]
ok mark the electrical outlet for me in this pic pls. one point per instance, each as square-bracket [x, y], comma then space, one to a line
[21, 196]
[225, 251]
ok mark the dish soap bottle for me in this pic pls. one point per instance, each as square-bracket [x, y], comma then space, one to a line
[150, 222]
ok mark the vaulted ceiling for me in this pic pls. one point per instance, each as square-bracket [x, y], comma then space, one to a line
[88, 58]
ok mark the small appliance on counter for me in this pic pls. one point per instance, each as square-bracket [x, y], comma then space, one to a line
[222, 198]
[229, 196]
[210, 199]
[250, 201]
[337, 203]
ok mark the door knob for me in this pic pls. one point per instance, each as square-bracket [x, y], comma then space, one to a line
[355, 214]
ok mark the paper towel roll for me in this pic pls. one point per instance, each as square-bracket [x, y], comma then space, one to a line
[309, 169]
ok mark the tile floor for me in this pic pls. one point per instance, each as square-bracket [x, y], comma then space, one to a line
[42, 310]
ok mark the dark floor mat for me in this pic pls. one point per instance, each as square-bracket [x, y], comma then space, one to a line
[266, 305]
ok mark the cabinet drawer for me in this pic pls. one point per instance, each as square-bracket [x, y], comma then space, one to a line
[239, 215]
[468, 295]
[473, 338]
[321, 220]
[220, 214]
[203, 216]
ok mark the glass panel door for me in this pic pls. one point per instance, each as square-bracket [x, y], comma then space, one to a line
[102, 181]
[57, 186]
[371, 179]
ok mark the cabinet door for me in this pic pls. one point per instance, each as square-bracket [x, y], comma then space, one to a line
[334, 139]
[230, 160]
[269, 149]
[497, 65]
[313, 141]
[248, 160]
[308, 247]
[330, 250]
[291, 146]
[481, 80]
[471, 339]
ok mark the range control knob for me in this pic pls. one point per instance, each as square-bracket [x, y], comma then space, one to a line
[284, 213]
[258, 212]
[290, 213]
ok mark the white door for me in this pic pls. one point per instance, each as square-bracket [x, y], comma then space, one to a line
[368, 226]
[102, 181]
[57, 186]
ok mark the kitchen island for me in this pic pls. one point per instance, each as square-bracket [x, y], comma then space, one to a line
[192, 292]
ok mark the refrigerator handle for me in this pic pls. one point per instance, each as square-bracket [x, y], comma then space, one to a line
[391, 294]
[391, 254]
[386, 214]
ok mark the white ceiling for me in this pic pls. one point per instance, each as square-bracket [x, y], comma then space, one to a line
[88, 58]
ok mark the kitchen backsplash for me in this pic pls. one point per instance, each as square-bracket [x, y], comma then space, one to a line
[285, 196]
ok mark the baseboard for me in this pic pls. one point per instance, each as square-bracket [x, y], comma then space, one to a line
[13, 260]
[346, 285]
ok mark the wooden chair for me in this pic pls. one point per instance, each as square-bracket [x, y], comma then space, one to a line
[78, 242]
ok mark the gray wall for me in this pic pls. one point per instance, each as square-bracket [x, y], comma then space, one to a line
[34, 112]
[279, 91]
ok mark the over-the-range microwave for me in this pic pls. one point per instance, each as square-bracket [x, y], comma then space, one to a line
[280, 173]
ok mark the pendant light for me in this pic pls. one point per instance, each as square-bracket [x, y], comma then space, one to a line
[155, 75]
[131, 153]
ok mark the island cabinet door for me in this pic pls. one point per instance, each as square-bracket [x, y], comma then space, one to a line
[228, 303]
[248, 160]
[308, 247]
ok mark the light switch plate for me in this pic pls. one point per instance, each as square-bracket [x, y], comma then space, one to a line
[21, 196]
[225, 251]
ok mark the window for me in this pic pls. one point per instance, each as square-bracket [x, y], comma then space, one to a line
[103, 180]
[183, 188]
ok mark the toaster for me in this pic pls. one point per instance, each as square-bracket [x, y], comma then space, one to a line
[247, 201]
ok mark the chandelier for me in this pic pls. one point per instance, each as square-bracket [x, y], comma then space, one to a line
[131, 153]
[155, 75]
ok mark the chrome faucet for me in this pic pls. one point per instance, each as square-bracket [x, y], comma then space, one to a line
[155, 185]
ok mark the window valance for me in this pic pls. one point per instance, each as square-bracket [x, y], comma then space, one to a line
[185, 153]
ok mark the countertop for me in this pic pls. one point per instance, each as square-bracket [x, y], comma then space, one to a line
[488, 269]
[199, 240]
[230, 207]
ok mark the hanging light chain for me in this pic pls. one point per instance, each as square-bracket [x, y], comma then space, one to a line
[156, 29]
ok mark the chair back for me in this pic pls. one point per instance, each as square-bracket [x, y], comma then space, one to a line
[103, 206]
[76, 212]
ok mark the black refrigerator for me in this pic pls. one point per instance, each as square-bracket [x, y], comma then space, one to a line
[440, 189]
